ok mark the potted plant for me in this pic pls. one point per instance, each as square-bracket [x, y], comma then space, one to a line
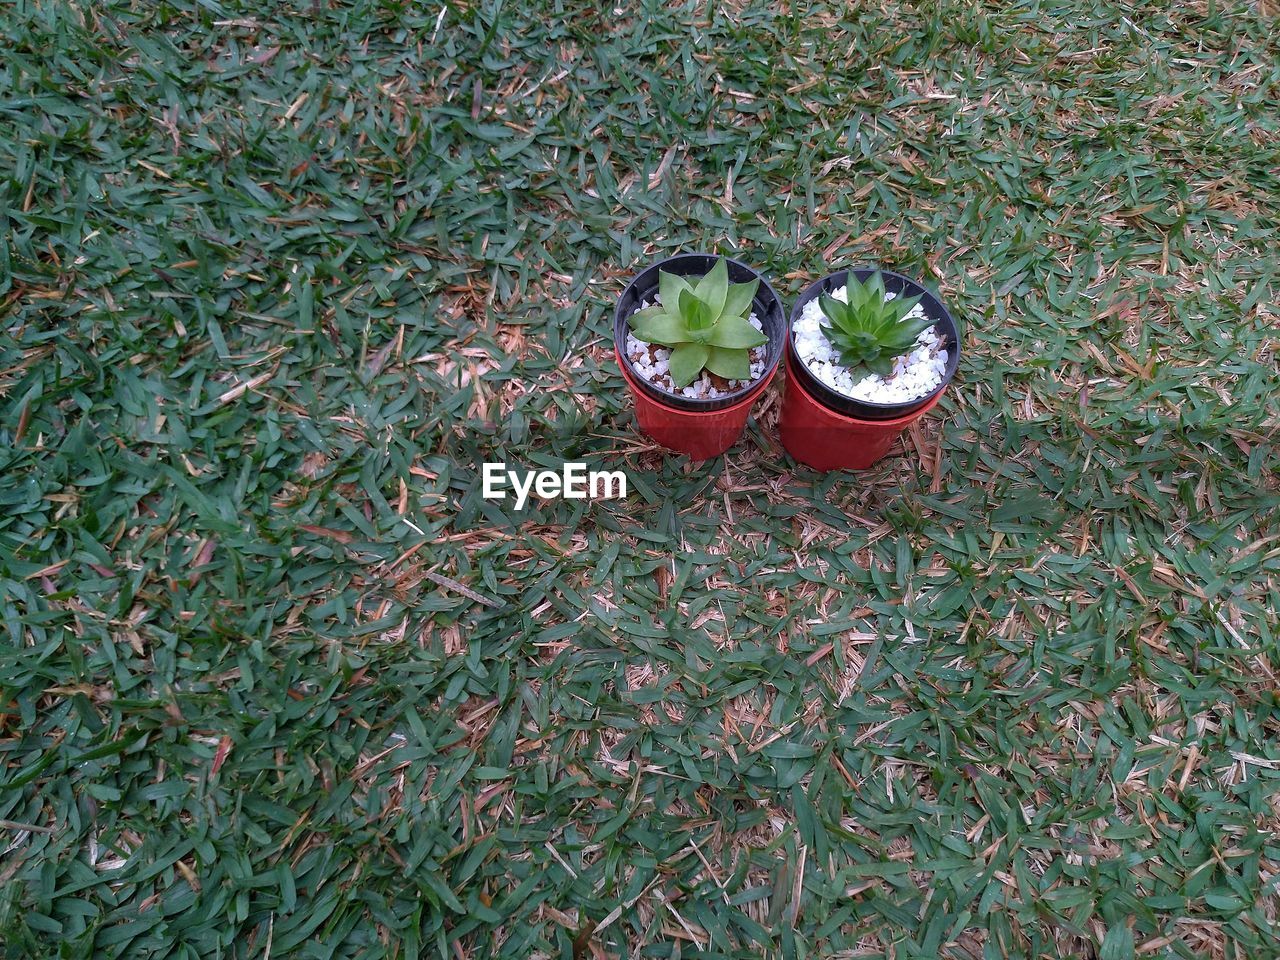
[698, 338]
[870, 352]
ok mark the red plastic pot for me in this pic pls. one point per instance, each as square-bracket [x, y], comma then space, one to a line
[698, 428]
[825, 440]
[698, 434]
[828, 431]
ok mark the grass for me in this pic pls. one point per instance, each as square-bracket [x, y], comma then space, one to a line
[277, 278]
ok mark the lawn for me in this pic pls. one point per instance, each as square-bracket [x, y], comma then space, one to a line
[278, 278]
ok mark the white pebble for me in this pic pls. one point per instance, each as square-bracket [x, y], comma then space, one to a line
[916, 374]
[656, 370]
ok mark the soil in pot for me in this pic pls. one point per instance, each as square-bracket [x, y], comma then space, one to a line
[649, 361]
[917, 376]
[646, 363]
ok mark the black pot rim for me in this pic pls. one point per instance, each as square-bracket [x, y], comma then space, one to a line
[897, 283]
[767, 305]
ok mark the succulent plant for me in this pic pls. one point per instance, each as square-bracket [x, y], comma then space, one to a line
[704, 323]
[870, 330]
